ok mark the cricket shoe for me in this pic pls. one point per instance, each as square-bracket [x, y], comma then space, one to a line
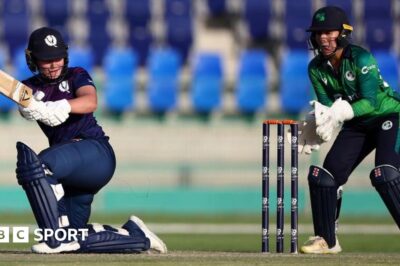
[318, 245]
[135, 225]
[43, 248]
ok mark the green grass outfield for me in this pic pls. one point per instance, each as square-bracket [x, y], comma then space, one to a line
[199, 258]
[215, 249]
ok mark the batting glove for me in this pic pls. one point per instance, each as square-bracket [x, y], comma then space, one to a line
[36, 108]
[57, 112]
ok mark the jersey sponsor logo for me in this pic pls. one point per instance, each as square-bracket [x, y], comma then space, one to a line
[366, 69]
[387, 125]
[51, 40]
[350, 76]
[64, 87]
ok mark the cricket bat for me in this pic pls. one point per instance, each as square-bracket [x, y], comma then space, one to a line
[14, 89]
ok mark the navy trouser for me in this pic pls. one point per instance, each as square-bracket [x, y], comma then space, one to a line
[354, 142]
[83, 167]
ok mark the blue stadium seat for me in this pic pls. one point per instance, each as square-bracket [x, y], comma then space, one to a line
[298, 16]
[120, 64]
[377, 16]
[251, 90]
[141, 40]
[81, 56]
[216, 7]
[138, 13]
[6, 105]
[207, 82]
[178, 8]
[377, 9]
[178, 16]
[295, 90]
[379, 33]
[16, 20]
[98, 14]
[257, 14]
[21, 70]
[180, 35]
[388, 67]
[56, 12]
[164, 68]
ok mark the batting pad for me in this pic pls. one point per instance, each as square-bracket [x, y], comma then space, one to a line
[42, 198]
[106, 239]
[386, 180]
[323, 195]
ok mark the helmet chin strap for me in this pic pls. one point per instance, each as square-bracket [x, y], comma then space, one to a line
[329, 56]
[44, 78]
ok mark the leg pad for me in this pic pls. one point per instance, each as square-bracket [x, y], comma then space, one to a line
[323, 195]
[106, 239]
[40, 193]
[386, 180]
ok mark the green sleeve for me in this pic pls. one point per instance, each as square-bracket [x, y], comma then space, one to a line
[368, 84]
[319, 90]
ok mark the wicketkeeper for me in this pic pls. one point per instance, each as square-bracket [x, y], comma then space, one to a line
[351, 96]
[61, 181]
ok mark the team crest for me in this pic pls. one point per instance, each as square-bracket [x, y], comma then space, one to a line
[51, 40]
[64, 87]
[320, 17]
[350, 76]
[387, 125]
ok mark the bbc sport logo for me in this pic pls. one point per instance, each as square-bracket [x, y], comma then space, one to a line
[21, 234]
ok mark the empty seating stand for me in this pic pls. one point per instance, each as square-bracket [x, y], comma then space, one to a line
[251, 83]
[388, 67]
[98, 14]
[216, 7]
[257, 14]
[81, 56]
[295, 89]
[163, 86]
[6, 105]
[138, 16]
[16, 18]
[378, 20]
[178, 16]
[207, 82]
[21, 70]
[298, 16]
[120, 64]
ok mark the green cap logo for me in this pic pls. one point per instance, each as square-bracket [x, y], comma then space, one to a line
[320, 17]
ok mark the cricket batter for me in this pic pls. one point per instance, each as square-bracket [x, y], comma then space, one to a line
[61, 181]
[351, 95]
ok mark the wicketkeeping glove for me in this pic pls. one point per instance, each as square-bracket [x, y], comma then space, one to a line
[308, 140]
[328, 120]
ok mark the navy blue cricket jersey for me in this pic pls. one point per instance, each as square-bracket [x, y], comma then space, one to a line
[77, 125]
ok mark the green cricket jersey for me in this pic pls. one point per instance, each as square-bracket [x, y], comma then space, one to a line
[358, 81]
